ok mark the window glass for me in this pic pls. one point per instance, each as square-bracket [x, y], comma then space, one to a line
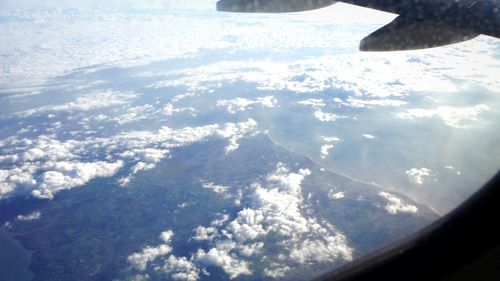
[163, 140]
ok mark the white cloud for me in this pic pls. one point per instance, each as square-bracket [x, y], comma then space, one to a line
[455, 117]
[372, 78]
[180, 268]
[6, 188]
[92, 4]
[47, 165]
[104, 38]
[335, 195]
[234, 132]
[205, 233]
[132, 114]
[315, 103]
[368, 136]
[418, 176]
[276, 270]
[316, 251]
[141, 259]
[148, 157]
[169, 109]
[330, 139]
[89, 101]
[214, 187]
[141, 166]
[247, 226]
[250, 249]
[9, 179]
[325, 150]
[453, 169]
[371, 103]
[47, 148]
[327, 117]
[221, 257]
[273, 208]
[66, 175]
[288, 182]
[166, 236]
[242, 104]
[90, 38]
[395, 205]
[220, 221]
[140, 277]
[30, 217]
[375, 77]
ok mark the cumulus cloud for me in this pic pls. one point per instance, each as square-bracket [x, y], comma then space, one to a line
[147, 157]
[86, 102]
[205, 233]
[141, 259]
[46, 148]
[368, 136]
[169, 109]
[418, 176]
[327, 117]
[313, 250]
[395, 205]
[325, 150]
[181, 268]
[335, 195]
[234, 132]
[6, 188]
[9, 179]
[31, 54]
[220, 257]
[178, 268]
[141, 166]
[214, 187]
[373, 81]
[455, 117]
[167, 138]
[131, 114]
[30, 217]
[47, 165]
[66, 175]
[241, 104]
[275, 207]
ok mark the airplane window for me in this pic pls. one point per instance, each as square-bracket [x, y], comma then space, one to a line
[196, 140]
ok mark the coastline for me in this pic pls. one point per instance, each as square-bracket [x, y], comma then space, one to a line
[15, 260]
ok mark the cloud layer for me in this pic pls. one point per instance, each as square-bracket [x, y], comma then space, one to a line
[274, 208]
[46, 165]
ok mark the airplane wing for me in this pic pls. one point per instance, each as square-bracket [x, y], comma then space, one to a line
[407, 34]
[420, 24]
[271, 6]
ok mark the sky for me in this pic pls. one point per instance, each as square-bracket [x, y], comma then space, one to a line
[107, 4]
[106, 38]
[110, 90]
[335, 13]
[318, 52]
